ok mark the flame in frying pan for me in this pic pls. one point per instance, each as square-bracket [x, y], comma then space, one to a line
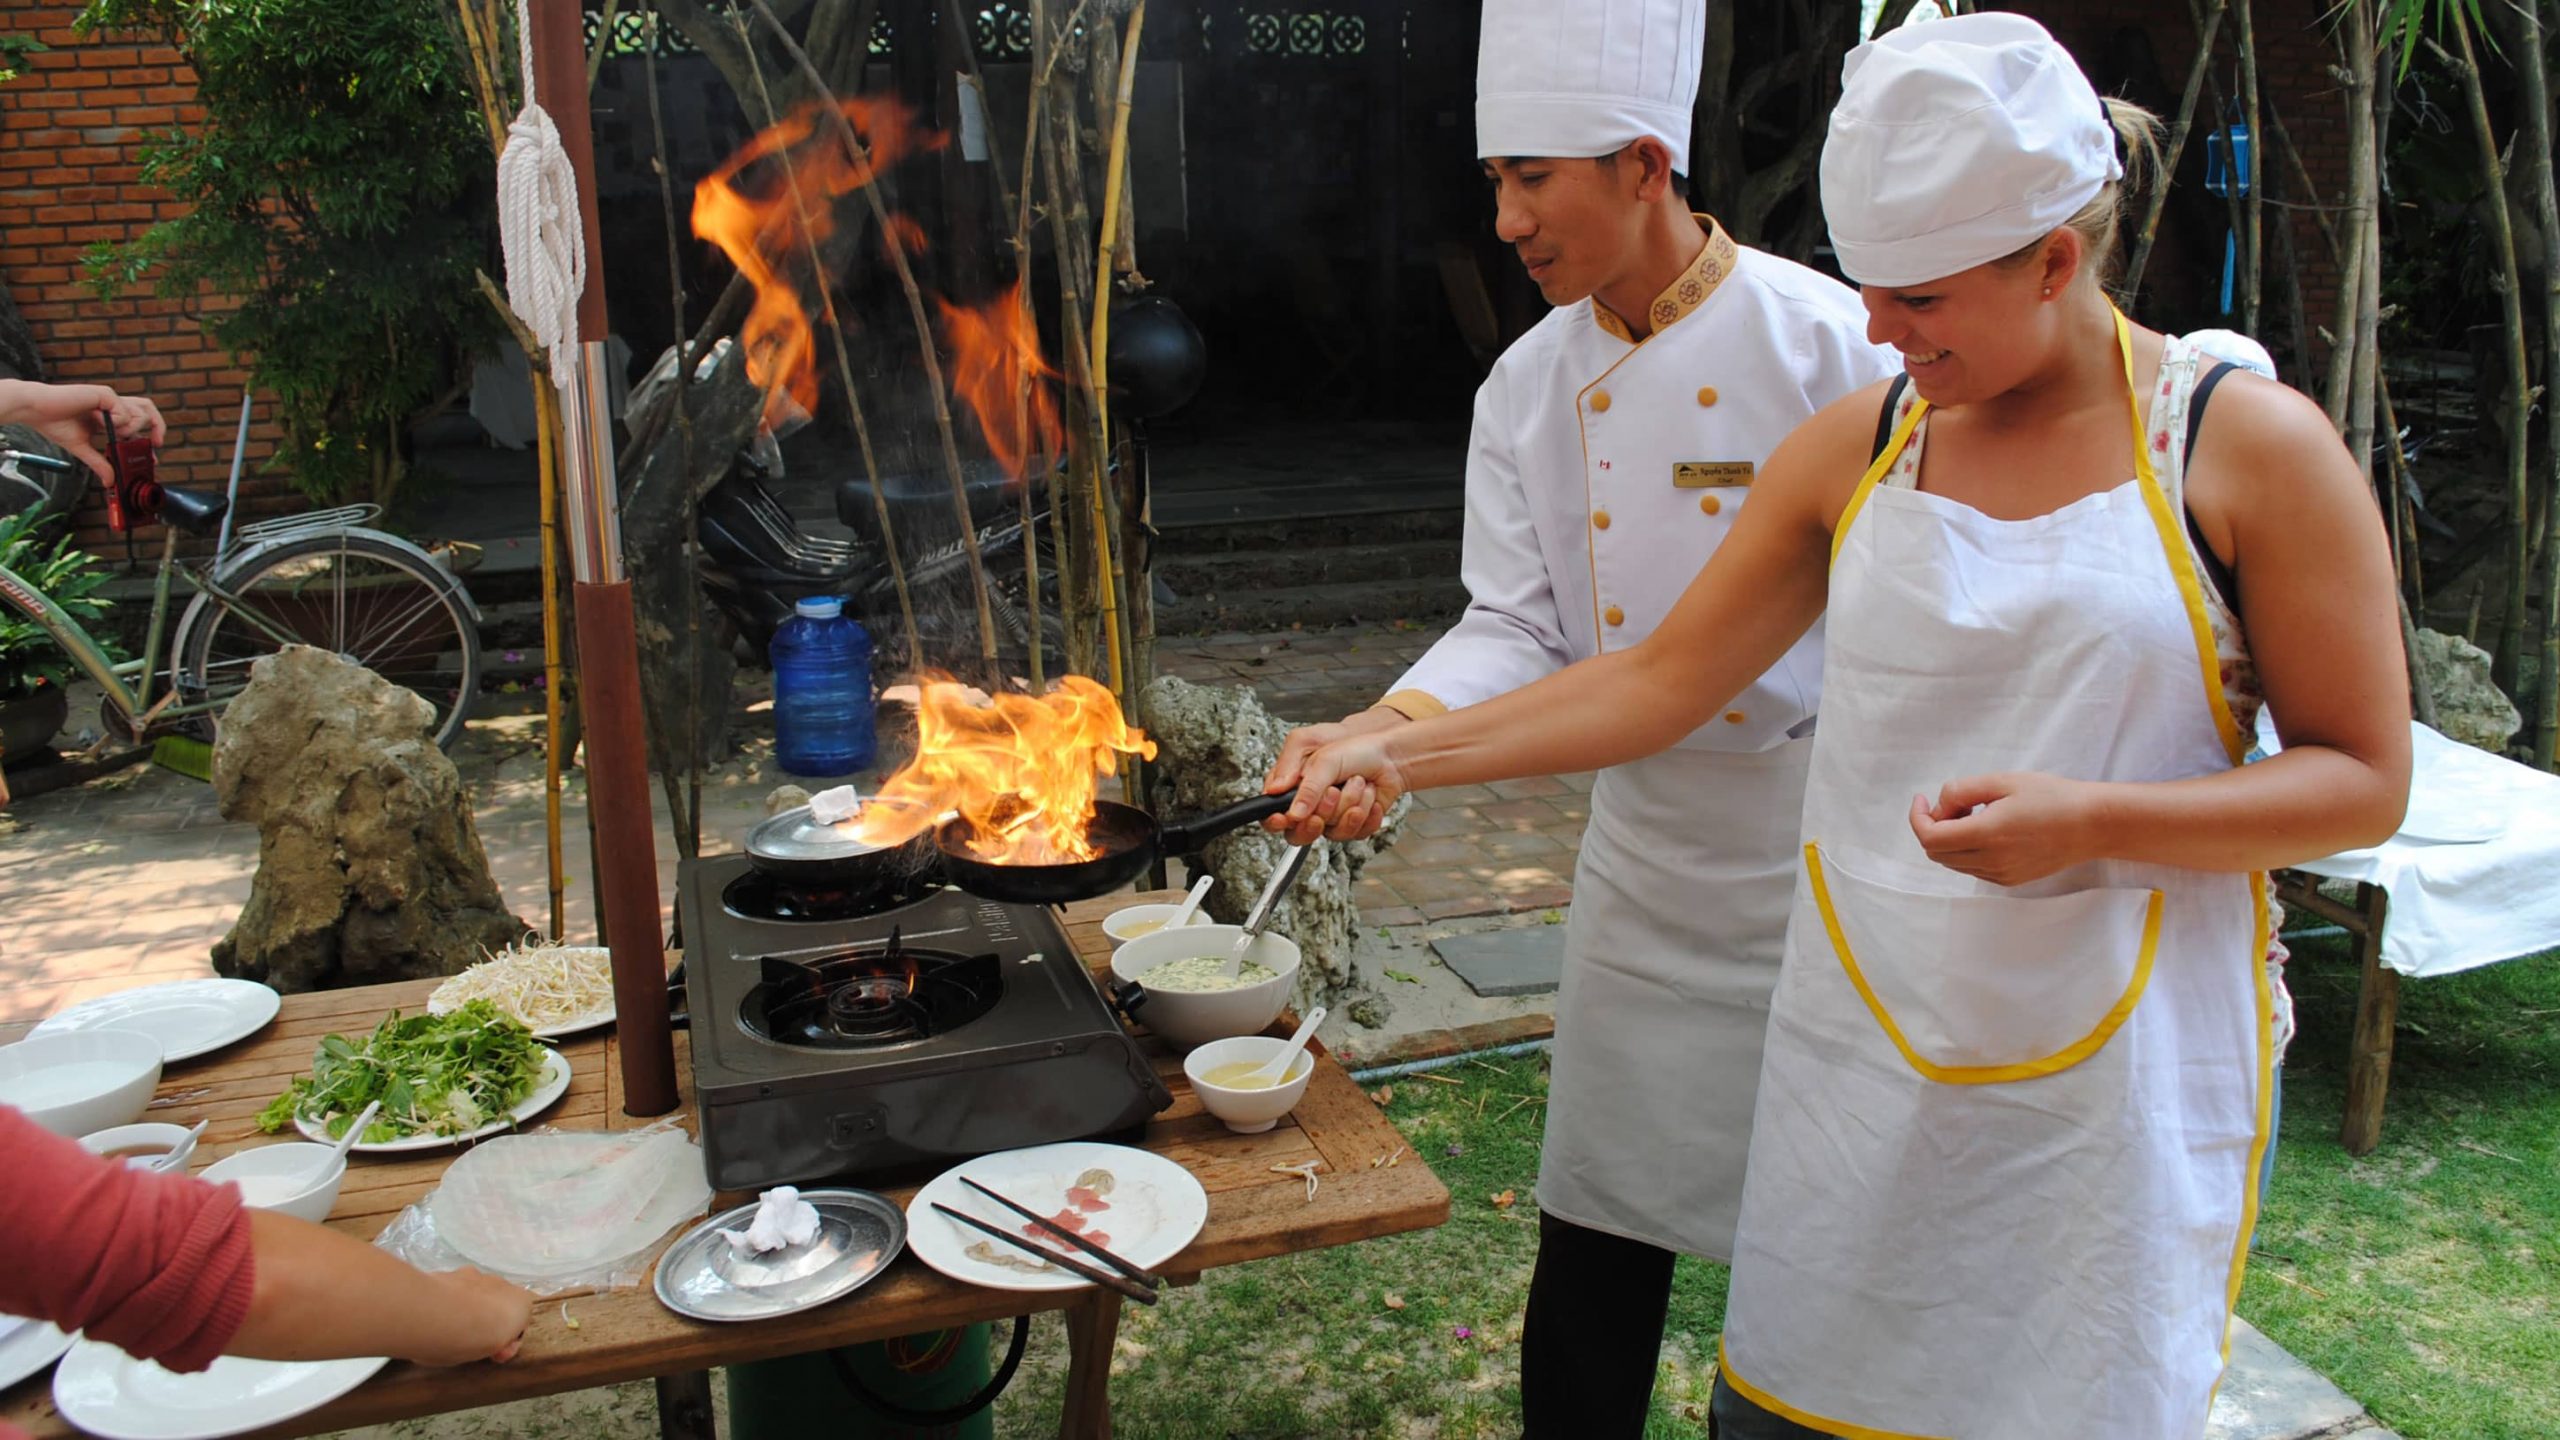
[1023, 770]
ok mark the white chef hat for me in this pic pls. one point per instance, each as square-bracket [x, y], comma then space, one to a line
[1587, 77]
[1956, 142]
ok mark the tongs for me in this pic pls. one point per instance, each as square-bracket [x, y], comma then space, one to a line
[1268, 901]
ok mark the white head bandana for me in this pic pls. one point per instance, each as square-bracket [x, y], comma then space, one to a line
[1956, 142]
[1587, 77]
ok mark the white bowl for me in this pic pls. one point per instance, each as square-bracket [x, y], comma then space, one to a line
[1196, 1017]
[281, 1178]
[1118, 923]
[83, 1081]
[1247, 1112]
[136, 1144]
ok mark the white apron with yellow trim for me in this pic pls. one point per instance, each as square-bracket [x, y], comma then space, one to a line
[2001, 1174]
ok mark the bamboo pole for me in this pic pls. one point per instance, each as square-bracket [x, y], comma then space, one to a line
[1087, 454]
[2206, 28]
[2356, 79]
[844, 361]
[897, 250]
[2506, 662]
[546, 431]
[1020, 243]
[689, 827]
[2538, 155]
[2253, 241]
[482, 34]
[1108, 555]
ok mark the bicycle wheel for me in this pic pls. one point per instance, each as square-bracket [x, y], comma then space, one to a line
[355, 595]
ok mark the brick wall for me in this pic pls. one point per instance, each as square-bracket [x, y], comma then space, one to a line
[70, 132]
[2295, 60]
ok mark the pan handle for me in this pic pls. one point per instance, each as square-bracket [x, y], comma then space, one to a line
[1190, 835]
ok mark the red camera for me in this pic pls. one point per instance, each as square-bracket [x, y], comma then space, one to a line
[134, 498]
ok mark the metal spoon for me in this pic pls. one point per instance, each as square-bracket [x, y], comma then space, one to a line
[1265, 903]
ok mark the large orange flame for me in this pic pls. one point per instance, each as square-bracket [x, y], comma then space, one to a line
[996, 371]
[1023, 770]
[770, 233]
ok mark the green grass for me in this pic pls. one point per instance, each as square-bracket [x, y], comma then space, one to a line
[2423, 1279]
[1363, 1340]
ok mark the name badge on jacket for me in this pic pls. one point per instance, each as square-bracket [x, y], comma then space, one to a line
[1709, 474]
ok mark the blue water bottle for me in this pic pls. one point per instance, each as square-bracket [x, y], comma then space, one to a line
[822, 691]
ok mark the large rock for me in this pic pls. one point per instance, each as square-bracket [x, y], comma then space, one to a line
[1214, 745]
[369, 868]
[2469, 707]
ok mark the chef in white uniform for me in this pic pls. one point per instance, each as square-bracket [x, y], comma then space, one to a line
[1614, 445]
[2016, 1080]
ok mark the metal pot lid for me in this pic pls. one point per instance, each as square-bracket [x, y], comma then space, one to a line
[794, 835]
[859, 1233]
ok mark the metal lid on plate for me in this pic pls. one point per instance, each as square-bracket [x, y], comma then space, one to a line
[795, 835]
[859, 1233]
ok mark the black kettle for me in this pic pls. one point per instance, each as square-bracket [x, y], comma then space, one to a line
[1157, 357]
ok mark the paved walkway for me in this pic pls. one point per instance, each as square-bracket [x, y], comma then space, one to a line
[130, 879]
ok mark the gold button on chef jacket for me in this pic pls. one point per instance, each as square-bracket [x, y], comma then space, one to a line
[1579, 421]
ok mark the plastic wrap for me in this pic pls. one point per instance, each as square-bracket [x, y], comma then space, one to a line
[555, 1210]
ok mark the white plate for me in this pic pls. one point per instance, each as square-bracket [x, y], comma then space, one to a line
[1153, 1208]
[575, 1025]
[188, 1017]
[27, 1346]
[110, 1394]
[555, 1081]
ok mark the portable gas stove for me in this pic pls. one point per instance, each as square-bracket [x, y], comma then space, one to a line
[828, 1043]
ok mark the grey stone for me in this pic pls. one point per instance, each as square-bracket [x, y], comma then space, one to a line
[2469, 707]
[369, 868]
[1215, 743]
[1528, 960]
[784, 797]
[2269, 1395]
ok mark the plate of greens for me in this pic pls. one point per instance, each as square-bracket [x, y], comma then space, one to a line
[442, 1080]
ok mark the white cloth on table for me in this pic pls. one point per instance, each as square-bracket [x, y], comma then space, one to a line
[2469, 874]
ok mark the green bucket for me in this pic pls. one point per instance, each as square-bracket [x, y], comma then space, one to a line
[804, 1395]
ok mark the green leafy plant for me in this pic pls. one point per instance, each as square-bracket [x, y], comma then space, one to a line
[65, 574]
[14, 50]
[434, 1074]
[339, 193]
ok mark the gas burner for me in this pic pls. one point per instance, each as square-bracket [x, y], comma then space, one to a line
[758, 896]
[863, 996]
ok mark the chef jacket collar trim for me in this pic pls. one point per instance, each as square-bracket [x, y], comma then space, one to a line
[1716, 261]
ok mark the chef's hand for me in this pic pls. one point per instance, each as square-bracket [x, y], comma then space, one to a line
[1345, 789]
[488, 1317]
[2009, 828]
[1351, 812]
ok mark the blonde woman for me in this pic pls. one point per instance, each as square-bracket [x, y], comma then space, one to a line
[2016, 1084]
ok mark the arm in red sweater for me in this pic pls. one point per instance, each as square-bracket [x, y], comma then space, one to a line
[158, 1265]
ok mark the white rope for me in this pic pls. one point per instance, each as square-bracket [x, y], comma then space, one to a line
[538, 222]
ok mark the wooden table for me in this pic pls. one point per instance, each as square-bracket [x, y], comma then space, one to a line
[2377, 999]
[627, 1335]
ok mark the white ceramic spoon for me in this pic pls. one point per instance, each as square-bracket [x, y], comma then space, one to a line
[346, 1142]
[1191, 903]
[1277, 1069]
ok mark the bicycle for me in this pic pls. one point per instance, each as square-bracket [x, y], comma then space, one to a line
[321, 579]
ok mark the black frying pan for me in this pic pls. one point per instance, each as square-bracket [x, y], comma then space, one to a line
[1127, 838]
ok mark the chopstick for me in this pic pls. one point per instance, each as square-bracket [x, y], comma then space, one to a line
[1152, 1282]
[1130, 1288]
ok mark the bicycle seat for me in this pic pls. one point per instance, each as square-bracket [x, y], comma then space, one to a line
[197, 512]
